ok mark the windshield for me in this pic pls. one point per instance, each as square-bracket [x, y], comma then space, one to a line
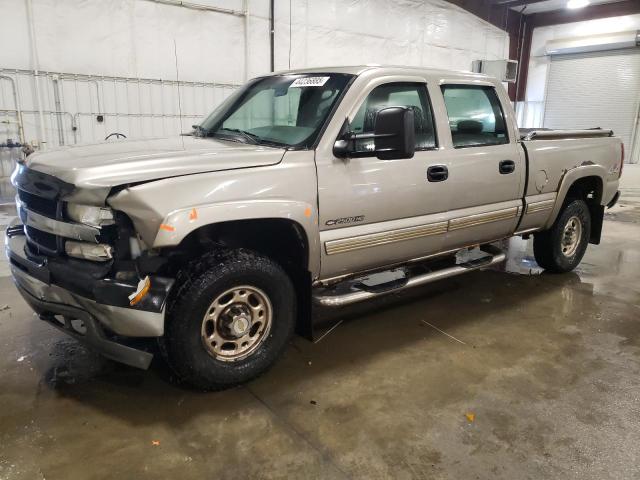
[280, 110]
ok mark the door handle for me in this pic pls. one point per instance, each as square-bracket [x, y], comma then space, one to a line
[437, 173]
[507, 166]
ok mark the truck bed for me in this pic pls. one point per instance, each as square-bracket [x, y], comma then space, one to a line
[558, 158]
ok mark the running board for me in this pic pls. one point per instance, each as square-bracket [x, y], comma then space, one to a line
[357, 290]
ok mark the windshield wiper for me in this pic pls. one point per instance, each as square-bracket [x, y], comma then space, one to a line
[252, 137]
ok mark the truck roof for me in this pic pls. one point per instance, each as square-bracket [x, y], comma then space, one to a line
[389, 69]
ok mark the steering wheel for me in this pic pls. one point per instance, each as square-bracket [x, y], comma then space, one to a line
[118, 135]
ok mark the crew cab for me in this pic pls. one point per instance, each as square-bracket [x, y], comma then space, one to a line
[305, 189]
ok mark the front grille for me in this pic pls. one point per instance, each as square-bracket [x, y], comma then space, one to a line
[41, 205]
[41, 242]
[41, 193]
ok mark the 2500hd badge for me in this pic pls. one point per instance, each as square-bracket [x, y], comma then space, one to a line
[340, 221]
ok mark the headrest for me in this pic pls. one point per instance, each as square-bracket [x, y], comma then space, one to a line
[470, 126]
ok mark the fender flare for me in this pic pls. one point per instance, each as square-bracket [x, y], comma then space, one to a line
[568, 179]
[179, 223]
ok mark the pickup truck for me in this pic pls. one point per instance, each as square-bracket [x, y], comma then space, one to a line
[304, 189]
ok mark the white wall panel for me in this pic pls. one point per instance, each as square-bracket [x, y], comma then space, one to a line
[128, 38]
[347, 32]
[134, 39]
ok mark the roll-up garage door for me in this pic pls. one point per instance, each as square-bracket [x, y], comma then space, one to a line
[596, 89]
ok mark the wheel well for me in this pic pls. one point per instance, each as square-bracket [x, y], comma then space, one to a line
[589, 189]
[282, 240]
[586, 188]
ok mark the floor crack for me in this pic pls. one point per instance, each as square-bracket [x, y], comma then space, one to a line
[322, 452]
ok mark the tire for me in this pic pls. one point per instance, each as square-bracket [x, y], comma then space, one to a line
[232, 288]
[558, 250]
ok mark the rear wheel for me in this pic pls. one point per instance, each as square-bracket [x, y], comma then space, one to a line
[231, 317]
[561, 248]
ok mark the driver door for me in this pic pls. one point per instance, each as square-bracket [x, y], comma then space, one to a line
[373, 212]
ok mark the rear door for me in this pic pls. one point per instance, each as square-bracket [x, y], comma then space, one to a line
[486, 166]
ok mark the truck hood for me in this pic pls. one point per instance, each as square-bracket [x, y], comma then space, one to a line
[109, 164]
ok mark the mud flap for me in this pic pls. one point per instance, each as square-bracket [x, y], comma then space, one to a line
[597, 217]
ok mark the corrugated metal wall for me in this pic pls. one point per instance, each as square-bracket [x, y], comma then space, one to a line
[87, 108]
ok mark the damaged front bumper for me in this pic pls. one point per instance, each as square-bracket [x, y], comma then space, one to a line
[97, 316]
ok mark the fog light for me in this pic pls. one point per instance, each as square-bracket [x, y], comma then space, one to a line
[88, 251]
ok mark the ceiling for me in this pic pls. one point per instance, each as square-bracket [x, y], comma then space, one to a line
[537, 6]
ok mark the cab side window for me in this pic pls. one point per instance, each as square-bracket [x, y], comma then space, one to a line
[475, 116]
[410, 95]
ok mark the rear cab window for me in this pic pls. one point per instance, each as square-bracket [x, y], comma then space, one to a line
[475, 115]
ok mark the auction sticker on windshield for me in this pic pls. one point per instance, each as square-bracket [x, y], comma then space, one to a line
[309, 82]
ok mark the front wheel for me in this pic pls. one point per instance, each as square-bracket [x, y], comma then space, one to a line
[232, 316]
[561, 248]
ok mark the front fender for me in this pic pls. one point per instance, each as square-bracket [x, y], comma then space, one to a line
[165, 211]
[178, 224]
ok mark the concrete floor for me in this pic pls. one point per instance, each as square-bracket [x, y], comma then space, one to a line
[497, 374]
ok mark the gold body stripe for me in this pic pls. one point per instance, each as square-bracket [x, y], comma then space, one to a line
[349, 244]
[374, 239]
[482, 218]
[536, 207]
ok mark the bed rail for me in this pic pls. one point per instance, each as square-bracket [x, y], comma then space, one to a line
[543, 134]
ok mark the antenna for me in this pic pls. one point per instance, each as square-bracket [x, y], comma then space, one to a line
[175, 53]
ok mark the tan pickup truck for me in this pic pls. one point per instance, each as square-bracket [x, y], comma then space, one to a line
[311, 187]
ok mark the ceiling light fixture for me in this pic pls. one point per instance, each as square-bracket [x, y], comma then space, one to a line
[573, 4]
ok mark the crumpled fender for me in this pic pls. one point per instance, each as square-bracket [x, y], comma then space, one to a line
[177, 225]
[165, 211]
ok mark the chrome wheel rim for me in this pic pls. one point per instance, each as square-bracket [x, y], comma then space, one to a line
[571, 236]
[236, 323]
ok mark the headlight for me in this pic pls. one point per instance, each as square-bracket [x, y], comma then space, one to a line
[90, 215]
[97, 252]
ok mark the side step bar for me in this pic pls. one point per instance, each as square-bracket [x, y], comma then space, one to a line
[328, 297]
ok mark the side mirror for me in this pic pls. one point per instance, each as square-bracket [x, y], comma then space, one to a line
[394, 133]
[342, 148]
[393, 136]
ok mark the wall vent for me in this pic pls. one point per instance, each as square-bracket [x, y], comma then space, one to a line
[503, 70]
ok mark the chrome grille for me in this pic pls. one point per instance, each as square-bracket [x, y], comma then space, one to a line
[46, 226]
[41, 205]
[39, 241]
[41, 194]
